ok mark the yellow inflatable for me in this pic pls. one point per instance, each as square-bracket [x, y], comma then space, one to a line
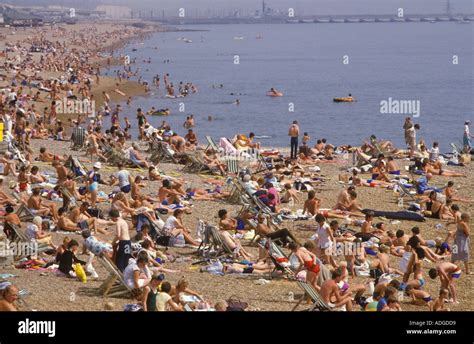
[80, 273]
[343, 100]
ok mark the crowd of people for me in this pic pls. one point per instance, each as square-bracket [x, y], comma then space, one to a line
[113, 211]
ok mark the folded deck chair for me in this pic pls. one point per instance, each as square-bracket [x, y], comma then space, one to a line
[24, 247]
[319, 303]
[114, 285]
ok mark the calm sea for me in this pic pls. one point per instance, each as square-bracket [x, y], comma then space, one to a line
[402, 61]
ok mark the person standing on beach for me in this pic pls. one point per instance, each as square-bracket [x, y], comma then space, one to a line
[121, 243]
[462, 242]
[293, 133]
[406, 126]
[412, 139]
[466, 140]
[141, 123]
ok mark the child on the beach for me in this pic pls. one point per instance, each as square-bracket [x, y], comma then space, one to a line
[439, 303]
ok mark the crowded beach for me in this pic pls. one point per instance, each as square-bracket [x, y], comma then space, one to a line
[132, 217]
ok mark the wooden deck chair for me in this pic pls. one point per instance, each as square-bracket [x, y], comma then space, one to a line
[319, 303]
[187, 308]
[163, 153]
[194, 164]
[404, 192]
[279, 258]
[25, 214]
[16, 152]
[263, 165]
[211, 144]
[24, 246]
[114, 285]
[76, 167]
[212, 244]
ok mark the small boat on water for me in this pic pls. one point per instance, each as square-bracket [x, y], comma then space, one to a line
[163, 112]
[353, 20]
[187, 41]
[349, 99]
[368, 20]
[322, 20]
[238, 38]
[414, 19]
[307, 21]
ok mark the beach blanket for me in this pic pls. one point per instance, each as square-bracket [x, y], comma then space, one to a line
[397, 215]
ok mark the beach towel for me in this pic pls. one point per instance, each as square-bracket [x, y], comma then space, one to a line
[397, 215]
[228, 147]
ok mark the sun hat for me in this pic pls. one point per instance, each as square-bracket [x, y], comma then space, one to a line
[98, 165]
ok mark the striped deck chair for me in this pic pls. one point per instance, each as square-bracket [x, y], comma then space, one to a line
[233, 166]
[28, 247]
[263, 165]
[212, 244]
[279, 258]
[114, 285]
[319, 303]
[25, 214]
[78, 138]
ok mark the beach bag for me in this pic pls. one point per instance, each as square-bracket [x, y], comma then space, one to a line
[95, 213]
[235, 305]
[163, 240]
[177, 241]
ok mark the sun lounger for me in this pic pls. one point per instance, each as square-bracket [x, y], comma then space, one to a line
[319, 303]
[24, 246]
[114, 285]
[211, 144]
[212, 244]
[279, 258]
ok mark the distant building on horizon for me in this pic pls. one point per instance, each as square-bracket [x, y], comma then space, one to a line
[115, 11]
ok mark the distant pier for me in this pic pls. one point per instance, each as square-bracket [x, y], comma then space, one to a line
[386, 18]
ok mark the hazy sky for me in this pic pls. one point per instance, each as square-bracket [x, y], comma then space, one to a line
[301, 6]
[310, 6]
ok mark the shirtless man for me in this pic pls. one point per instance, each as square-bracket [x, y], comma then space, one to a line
[392, 166]
[35, 204]
[94, 138]
[307, 261]
[266, 231]
[45, 156]
[167, 195]
[178, 143]
[330, 292]
[311, 205]
[293, 133]
[447, 272]
[452, 194]
[121, 243]
[343, 199]
[62, 172]
[227, 223]
[9, 296]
